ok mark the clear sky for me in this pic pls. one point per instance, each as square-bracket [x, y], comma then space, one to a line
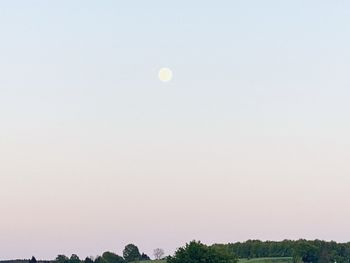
[249, 140]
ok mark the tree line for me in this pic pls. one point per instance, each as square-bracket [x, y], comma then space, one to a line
[131, 253]
[301, 251]
[307, 251]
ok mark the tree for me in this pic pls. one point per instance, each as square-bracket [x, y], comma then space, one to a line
[145, 257]
[74, 259]
[196, 252]
[62, 259]
[131, 253]
[88, 260]
[158, 253]
[100, 259]
[306, 251]
[110, 257]
[32, 260]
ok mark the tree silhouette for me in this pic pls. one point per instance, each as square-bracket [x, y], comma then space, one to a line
[131, 253]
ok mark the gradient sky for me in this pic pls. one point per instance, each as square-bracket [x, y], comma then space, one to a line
[249, 140]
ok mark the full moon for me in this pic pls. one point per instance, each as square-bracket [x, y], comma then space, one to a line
[165, 74]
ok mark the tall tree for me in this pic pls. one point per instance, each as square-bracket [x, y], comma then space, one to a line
[131, 253]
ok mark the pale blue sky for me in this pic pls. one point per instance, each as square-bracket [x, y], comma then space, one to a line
[253, 127]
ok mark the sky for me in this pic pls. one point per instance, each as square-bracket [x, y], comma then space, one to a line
[250, 139]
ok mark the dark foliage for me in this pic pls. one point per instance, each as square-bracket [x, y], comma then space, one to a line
[74, 259]
[144, 257]
[196, 252]
[131, 253]
[62, 259]
[316, 251]
[88, 260]
[110, 257]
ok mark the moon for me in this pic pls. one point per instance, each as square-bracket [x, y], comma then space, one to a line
[165, 74]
